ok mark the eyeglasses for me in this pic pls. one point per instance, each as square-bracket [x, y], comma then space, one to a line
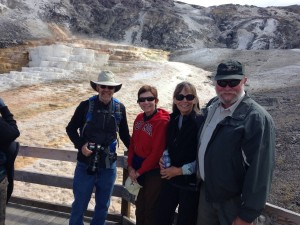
[105, 86]
[230, 83]
[143, 99]
[188, 97]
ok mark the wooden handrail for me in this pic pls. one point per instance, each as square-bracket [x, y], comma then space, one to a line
[271, 215]
[59, 154]
[278, 215]
[65, 181]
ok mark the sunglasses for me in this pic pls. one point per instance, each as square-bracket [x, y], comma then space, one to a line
[105, 86]
[143, 99]
[188, 97]
[230, 83]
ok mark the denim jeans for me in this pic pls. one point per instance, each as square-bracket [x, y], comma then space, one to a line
[83, 185]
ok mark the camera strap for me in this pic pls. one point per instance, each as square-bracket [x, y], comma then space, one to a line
[110, 156]
[114, 110]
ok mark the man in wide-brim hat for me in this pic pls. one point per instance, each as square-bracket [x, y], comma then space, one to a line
[93, 130]
[106, 78]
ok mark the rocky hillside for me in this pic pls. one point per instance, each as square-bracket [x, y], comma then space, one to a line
[164, 24]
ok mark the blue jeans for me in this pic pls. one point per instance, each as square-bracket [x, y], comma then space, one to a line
[83, 185]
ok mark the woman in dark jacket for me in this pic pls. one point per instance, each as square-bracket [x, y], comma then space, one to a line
[180, 186]
[8, 133]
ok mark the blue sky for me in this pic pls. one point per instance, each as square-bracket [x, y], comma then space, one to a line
[260, 3]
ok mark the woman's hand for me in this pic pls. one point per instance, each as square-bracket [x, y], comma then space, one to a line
[161, 163]
[133, 174]
[85, 151]
[170, 172]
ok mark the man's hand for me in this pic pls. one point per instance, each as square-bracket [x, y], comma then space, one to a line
[85, 151]
[2, 104]
[239, 221]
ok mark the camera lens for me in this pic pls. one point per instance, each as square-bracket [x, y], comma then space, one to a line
[95, 158]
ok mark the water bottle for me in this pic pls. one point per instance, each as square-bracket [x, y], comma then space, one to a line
[166, 158]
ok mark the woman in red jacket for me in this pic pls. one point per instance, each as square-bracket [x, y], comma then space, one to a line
[147, 144]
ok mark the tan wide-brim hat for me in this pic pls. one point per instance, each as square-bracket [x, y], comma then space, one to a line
[106, 78]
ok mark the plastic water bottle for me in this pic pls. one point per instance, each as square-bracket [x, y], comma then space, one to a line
[166, 158]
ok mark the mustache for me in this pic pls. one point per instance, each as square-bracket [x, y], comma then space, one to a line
[228, 92]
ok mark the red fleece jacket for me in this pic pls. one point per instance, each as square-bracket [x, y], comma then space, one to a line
[149, 140]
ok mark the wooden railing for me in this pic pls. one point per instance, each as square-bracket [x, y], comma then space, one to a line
[271, 215]
[66, 182]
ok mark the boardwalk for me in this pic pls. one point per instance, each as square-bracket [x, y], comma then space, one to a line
[21, 210]
[21, 215]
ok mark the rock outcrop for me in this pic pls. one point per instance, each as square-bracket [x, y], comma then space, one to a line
[163, 24]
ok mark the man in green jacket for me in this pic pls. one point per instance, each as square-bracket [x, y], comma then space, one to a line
[236, 153]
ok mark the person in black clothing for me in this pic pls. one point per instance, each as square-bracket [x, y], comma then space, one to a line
[93, 130]
[8, 133]
[180, 186]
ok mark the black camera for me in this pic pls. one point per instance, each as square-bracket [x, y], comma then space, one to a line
[95, 157]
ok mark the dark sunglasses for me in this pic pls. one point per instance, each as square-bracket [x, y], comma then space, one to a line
[105, 86]
[143, 99]
[230, 83]
[188, 97]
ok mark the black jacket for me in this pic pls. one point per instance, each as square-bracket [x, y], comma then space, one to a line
[182, 145]
[94, 132]
[8, 133]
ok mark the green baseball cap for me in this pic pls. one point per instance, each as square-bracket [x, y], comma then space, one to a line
[230, 70]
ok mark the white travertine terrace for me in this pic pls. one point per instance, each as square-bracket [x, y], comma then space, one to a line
[55, 62]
